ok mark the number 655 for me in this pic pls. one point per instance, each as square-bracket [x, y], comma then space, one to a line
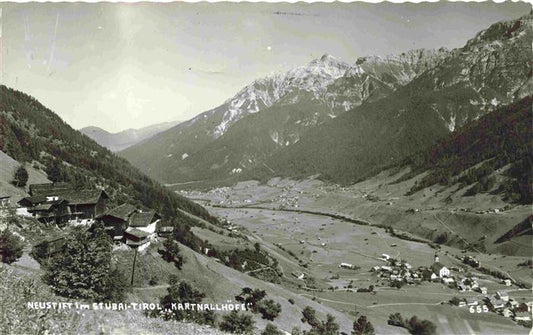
[479, 309]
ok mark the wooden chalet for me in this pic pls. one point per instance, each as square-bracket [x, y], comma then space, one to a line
[82, 204]
[47, 209]
[135, 237]
[165, 231]
[128, 224]
[86, 204]
[116, 220]
[49, 247]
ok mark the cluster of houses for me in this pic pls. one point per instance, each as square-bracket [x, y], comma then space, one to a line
[401, 271]
[61, 204]
[500, 303]
[397, 271]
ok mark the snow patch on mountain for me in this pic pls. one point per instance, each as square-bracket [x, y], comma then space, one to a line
[263, 93]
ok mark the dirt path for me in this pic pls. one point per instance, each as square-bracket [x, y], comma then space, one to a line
[406, 303]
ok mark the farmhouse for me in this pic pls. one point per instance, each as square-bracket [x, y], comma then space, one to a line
[49, 246]
[165, 231]
[522, 316]
[440, 270]
[116, 220]
[128, 224]
[496, 303]
[135, 237]
[50, 210]
[346, 266]
[82, 204]
[502, 295]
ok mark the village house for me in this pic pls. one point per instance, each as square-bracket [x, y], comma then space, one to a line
[346, 266]
[507, 312]
[502, 295]
[440, 270]
[522, 316]
[83, 204]
[165, 231]
[48, 210]
[116, 220]
[130, 225]
[496, 303]
[298, 275]
[472, 302]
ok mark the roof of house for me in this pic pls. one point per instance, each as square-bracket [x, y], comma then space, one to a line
[50, 188]
[83, 197]
[33, 200]
[437, 266]
[143, 219]
[137, 233]
[122, 212]
[66, 191]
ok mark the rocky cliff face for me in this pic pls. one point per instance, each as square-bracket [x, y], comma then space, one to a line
[374, 77]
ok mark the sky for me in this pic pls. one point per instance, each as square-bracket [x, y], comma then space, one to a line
[130, 65]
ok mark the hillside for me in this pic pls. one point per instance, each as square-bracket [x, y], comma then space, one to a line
[272, 113]
[7, 167]
[29, 132]
[126, 138]
[501, 140]
[491, 70]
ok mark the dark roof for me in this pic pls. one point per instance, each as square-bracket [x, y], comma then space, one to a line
[437, 266]
[32, 200]
[47, 205]
[50, 188]
[143, 219]
[137, 233]
[122, 212]
[67, 192]
[43, 207]
[83, 197]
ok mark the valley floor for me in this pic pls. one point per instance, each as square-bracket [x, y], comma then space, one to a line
[279, 215]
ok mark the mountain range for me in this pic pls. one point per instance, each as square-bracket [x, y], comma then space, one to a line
[343, 121]
[126, 138]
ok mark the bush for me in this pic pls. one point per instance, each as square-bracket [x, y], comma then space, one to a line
[442, 238]
[269, 309]
[82, 269]
[237, 323]
[363, 327]
[172, 253]
[270, 329]
[20, 177]
[413, 325]
[424, 327]
[396, 320]
[319, 327]
[251, 298]
[10, 246]
[182, 292]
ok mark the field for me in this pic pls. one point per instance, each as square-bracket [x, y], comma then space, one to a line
[278, 216]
